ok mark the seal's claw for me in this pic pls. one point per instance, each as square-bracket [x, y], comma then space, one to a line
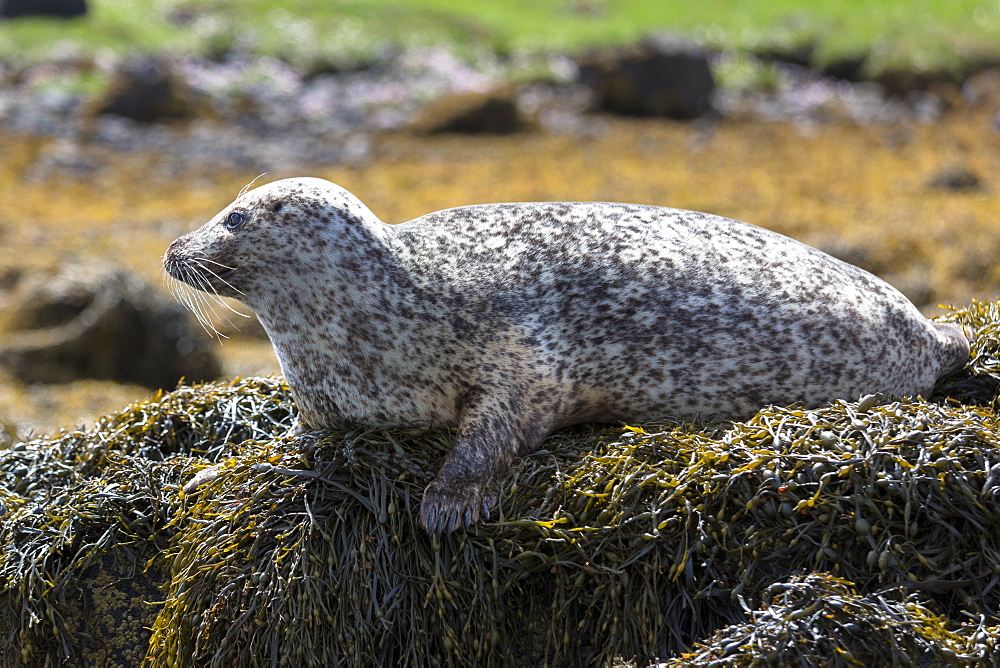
[446, 508]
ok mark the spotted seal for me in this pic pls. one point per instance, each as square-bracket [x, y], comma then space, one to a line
[507, 321]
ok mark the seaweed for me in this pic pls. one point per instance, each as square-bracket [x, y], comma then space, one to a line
[857, 532]
[817, 619]
[85, 515]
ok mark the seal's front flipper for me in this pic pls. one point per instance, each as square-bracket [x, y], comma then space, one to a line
[459, 503]
[490, 435]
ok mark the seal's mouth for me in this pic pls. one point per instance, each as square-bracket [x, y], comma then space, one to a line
[223, 273]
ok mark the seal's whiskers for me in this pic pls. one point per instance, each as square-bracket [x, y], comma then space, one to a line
[200, 260]
[249, 185]
[197, 300]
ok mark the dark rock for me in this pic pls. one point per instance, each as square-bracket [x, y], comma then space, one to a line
[92, 321]
[63, 9]
[658, 77]
[382, 59]
[899, 82]
[148, 90]
[9, 277]
[801, 55]
[956, 178]
[848, 68]
[473, 113]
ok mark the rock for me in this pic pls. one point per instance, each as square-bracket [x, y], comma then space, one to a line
[94, 321]
[982, 89]
[849, 67]
[148, 89]
[956, 178]
[661, 76]
[899, 81]
[473, 113]
[63, 9]
[801, 55]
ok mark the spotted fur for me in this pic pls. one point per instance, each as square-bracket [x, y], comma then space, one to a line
[507, 321]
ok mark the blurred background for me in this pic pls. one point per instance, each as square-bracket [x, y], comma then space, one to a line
[871, 131]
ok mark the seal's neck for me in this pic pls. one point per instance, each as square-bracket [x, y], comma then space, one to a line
[325, 271]
[337, 294]
[337, 345]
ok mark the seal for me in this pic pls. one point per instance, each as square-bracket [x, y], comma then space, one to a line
[508, 321]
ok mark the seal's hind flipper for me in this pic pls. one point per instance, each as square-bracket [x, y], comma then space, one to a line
[956, 341]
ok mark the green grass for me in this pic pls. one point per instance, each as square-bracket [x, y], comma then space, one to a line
[915, 34]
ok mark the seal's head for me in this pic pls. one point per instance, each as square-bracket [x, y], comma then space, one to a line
[268, 235]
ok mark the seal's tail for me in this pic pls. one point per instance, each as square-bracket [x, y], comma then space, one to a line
[956, 347]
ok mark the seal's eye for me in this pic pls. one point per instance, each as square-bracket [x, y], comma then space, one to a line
[235, 220]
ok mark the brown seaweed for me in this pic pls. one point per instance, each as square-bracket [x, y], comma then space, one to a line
[862, 531]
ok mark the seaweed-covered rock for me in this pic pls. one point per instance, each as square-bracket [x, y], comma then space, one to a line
[661, 76]
[85, 519]
[874, 518]
[817, 619]
[148, 90]
[95, 321]
[473, 113]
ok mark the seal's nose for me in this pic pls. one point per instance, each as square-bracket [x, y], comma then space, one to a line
[174, 247]
[171, 253]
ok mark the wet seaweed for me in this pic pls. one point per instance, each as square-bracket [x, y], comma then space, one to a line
[861, 531]
[81, 511]
[818, 619]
